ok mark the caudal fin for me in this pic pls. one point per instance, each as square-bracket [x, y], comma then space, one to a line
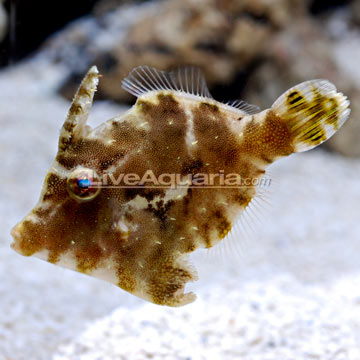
[313, 111]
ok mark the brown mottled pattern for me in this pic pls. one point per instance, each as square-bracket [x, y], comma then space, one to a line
[138, 238]
[268, 139]
[83, 152]
[56, 188]
[203, 216]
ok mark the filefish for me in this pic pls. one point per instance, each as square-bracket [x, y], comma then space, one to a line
[104, 209]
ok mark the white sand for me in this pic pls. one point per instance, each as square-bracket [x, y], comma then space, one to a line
[272, 319]
[293, 293]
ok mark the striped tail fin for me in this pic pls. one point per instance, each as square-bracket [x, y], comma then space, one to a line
[313, 111]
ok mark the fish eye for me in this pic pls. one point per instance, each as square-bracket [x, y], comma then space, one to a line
[83, 184]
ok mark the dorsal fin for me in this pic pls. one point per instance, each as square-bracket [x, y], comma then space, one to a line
[144, 79]
[244, 106]
[75, 128]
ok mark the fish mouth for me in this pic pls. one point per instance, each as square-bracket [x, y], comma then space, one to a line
[16, 234]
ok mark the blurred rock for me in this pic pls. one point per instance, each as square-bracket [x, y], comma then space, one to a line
[247, 49]
[355, 11]
[222, 37]
[3, 21]
[305, 51]
[104, 6]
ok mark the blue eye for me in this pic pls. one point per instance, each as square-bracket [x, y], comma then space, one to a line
[84, 183]
[80, 184]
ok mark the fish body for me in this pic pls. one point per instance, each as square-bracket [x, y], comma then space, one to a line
[110, 206]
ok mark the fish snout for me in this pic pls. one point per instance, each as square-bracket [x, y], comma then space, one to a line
[16, 233]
